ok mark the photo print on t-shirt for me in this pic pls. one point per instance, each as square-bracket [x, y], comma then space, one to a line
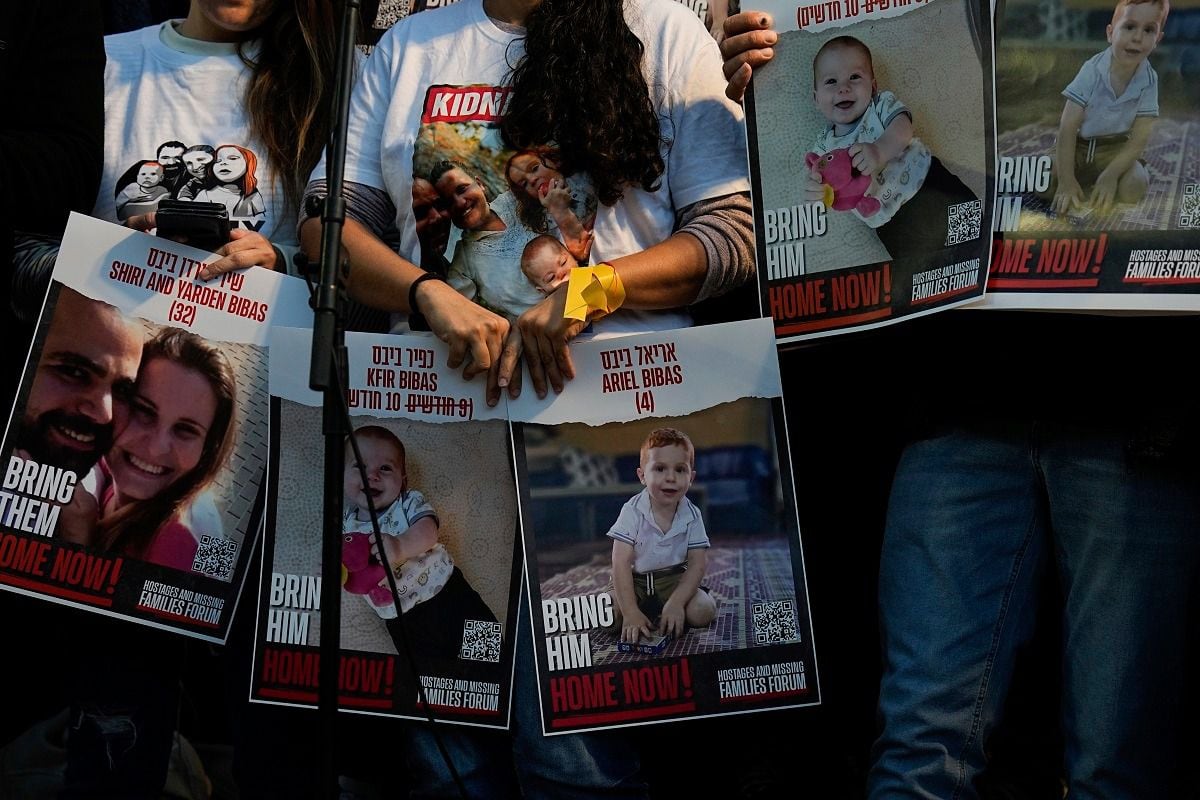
[503, 226]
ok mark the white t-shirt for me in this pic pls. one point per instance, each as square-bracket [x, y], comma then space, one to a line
[161, 88]
[654, 548]
[1105, 114]
[903, 176]
[440, 74]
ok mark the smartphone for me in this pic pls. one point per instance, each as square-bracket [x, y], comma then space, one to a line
[202, 225]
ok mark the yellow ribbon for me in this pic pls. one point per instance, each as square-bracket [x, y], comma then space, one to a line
[593, 291]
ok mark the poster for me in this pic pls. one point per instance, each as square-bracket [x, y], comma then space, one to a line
[440, 475]
[136, 451]
[1121, 231]
[871, 157]
[650, 429]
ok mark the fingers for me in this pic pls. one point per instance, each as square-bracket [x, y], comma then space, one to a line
[735, 90]
[745, 52]
[243, 250]
[509, 375]
[536, 373]
[746, 22]
[142, 222]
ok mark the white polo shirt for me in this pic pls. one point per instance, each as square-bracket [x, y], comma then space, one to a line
[1105, 114]
[652, 548]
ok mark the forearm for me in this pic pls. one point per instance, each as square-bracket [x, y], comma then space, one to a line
[420, 537]
[622, 567]
[711, 253]
[1064, 149]
[685, 590]
[895, 138]
[378, 276]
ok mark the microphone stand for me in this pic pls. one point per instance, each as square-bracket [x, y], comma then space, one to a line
[327, 364]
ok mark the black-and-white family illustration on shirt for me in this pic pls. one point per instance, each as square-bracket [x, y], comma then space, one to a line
[204, 173]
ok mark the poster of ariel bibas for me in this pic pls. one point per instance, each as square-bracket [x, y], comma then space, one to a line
[137, 447]
[1098, 169]
[871, 154]
[439, 474]
[666, 575]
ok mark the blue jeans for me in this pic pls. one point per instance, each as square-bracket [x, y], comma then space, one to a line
[974, 514]
[573, 766]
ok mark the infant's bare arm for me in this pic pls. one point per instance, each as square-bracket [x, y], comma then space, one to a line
[872, 157]
[420, 537]
[1069, 190]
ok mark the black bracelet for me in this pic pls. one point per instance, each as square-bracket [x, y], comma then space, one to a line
[412, 289]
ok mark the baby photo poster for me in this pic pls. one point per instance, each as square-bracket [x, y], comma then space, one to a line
[1098, 170]
[438, 472]
[662, 546]
[871, 139]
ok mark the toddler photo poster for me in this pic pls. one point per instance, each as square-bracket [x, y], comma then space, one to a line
[136, 453]
[1098, 172]
[871, 155]
[666, 575]
[439, 475]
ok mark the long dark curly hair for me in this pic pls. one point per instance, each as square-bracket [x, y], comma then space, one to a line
[580, 86]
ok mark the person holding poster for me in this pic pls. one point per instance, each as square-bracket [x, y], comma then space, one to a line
[1004, 482]
[672, 221]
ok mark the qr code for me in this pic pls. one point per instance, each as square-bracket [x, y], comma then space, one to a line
[215, 557]
[1189, 211]
[775, 622]
[481, 641]
[962, 222]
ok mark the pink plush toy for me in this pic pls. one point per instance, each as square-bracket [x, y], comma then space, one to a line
[845, 187]
[360, 573]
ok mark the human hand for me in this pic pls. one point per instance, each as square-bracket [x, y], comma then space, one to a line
[580, 247]
[748, 44]
[672, 619]
[77, 519]
[1104, 193]
[635, 625]
[142, 222]
[814, 187]
[1069, 194]
[475, 335]
[244, 249]
[866, 158]
[544, 335]
[556, 197]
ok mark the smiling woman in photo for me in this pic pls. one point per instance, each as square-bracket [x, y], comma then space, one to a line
[156, 503]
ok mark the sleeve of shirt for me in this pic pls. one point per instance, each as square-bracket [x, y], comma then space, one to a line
[707, 156]
[1148, 102]
[416, 507]
[625, 528]
[697, 535]
[1080, 89]
[370, 102]
[888, 106]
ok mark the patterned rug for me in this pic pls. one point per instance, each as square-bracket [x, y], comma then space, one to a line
[737, 578]
[1172, 154]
